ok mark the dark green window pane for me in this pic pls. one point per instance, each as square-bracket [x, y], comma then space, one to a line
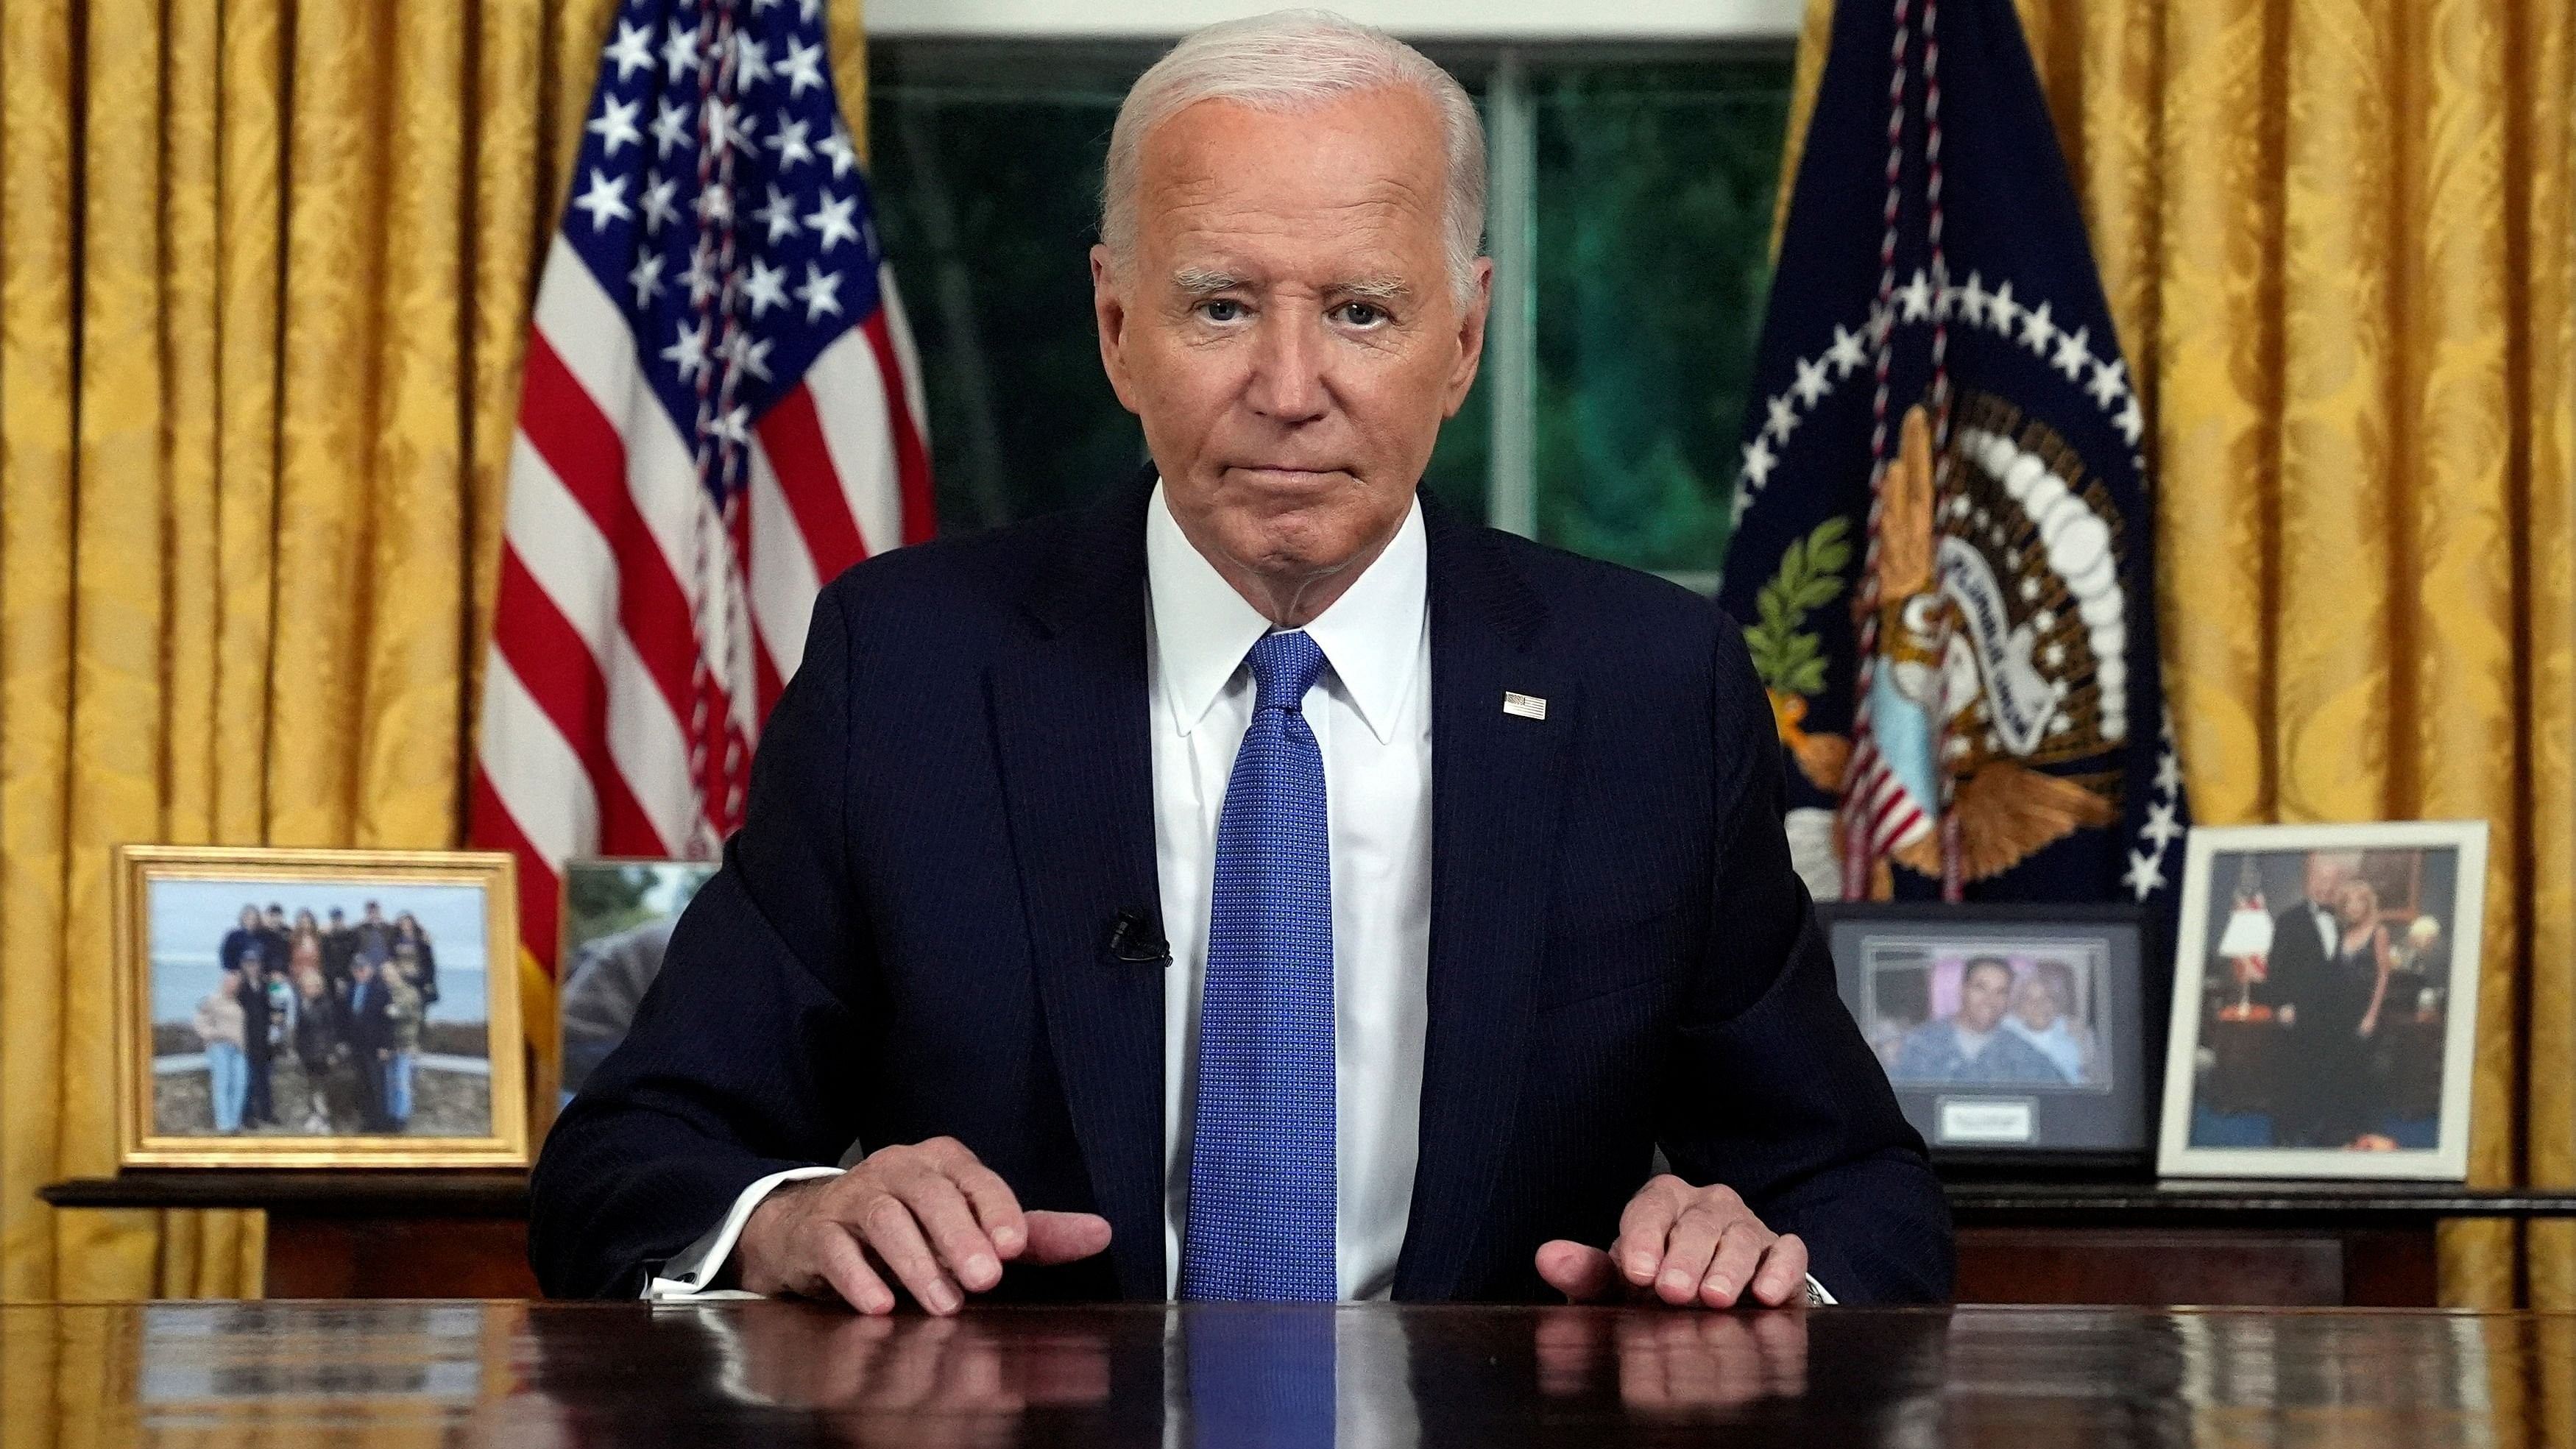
[987, 170]
[1653, 196]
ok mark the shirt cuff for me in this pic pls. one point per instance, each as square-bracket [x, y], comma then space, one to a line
[1817, 1297]
[700, 1262]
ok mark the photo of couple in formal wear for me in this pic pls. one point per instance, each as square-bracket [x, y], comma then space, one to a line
[318, 1009]
[2324, 999]
[2002, 1014]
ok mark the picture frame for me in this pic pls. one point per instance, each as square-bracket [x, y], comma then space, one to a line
[618, 913]
[388, 1038]
[2325, 1041]
[2061, 1076]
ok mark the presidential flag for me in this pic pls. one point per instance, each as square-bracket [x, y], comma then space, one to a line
[1944, 546]
[719, 414]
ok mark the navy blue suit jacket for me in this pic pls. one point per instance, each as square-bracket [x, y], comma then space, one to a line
[953, 803]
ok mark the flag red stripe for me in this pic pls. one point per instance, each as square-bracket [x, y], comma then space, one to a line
[558, 672]
[539, 891]
[568, 430]
[912, 460]
[792, 434]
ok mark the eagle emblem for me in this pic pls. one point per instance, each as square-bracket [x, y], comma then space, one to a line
[2002, 631]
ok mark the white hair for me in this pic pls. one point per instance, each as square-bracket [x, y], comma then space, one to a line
[1286, 62]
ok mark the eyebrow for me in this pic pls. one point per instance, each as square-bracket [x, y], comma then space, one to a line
[1208, 281]
[1205, 281]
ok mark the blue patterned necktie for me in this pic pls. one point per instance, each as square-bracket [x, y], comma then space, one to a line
[1261, 1149]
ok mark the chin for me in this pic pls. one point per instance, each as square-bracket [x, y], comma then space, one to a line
[1300, 543]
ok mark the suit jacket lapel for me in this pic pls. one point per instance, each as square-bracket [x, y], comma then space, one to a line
[1070, 730]
[1497, 787]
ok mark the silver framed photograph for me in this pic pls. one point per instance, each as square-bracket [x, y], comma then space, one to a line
[2325, 1002]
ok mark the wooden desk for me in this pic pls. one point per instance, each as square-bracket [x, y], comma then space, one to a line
[2285, 1244]
[451, 1373]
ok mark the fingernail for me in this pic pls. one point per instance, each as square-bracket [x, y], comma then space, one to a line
[943, 1298]
[982, 1269]
[1641, 1266]
[1676, 1280]
[1008, 1239]
[1721, 1287]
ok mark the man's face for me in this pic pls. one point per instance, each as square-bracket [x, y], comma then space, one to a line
[1287, 332]
[2326, 877]
[1983, 993]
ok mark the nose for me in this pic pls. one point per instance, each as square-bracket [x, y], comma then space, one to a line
[1287, 384]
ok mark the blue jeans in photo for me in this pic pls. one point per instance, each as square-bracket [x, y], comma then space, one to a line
[398, 1070]
[228, 1073]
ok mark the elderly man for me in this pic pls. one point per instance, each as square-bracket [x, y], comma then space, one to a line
[1264, 886]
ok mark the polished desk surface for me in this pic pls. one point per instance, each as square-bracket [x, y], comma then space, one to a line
[508, 1373]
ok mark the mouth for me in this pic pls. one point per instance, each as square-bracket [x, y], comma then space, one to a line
[1278, 475]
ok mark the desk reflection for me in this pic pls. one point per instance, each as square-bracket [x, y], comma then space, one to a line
[1366, 1377]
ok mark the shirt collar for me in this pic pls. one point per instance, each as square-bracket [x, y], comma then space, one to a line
[1371, 636]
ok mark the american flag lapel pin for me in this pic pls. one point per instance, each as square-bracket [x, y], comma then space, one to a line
[1527, 706]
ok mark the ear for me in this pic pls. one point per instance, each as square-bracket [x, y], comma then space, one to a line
[1110, 313]
[1471, 336]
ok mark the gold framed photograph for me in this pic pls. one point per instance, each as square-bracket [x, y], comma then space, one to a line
[317, 1008]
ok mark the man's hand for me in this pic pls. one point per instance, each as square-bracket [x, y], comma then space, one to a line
[1682, 1245]
[928, 1217]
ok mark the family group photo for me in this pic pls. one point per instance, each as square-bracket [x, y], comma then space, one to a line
[318, 1009]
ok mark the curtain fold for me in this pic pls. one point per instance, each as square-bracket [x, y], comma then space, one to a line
[2335, 235]
[265, 271]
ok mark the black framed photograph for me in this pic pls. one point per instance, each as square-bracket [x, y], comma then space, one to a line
[2325, 1002]
[2012, 1034]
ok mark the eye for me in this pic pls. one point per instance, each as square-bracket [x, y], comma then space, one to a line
[1362, 314]
[1221, 309]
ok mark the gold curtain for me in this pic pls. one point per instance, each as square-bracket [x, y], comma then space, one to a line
[2336, 239]
[264, 281]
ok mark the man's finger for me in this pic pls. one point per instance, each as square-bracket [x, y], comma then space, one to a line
[1584, 1274]
[939, 1206]
[1688, 1253]
[1783, 1278]
[1739, 1253]
[843, 1266]
[888, 1227]
[1065, 1237]
[1643, 1227]
[996, 1207]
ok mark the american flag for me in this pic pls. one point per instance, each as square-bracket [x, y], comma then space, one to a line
[720, 412]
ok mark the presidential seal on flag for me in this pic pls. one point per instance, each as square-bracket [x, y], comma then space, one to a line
[1943, 541]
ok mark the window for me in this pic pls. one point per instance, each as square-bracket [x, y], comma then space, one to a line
[1632, 196]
